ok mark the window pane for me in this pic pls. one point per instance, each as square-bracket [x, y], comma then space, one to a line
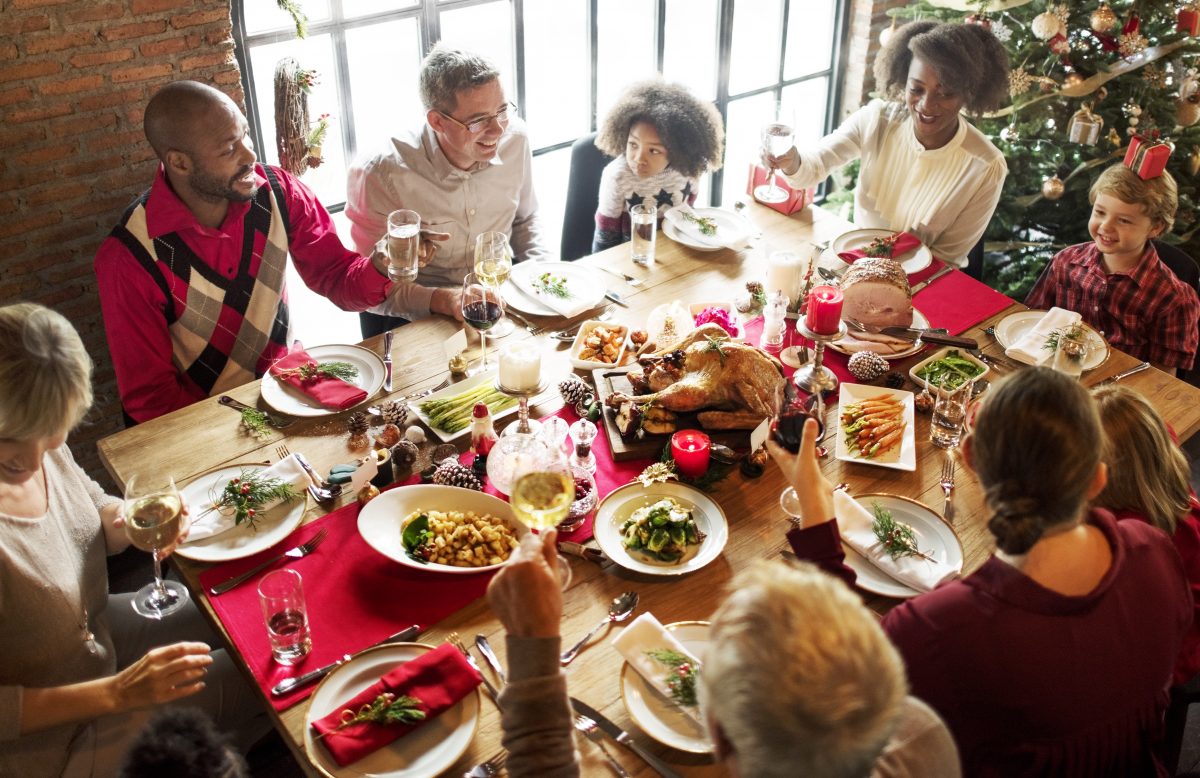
[550, 173]
[810, 37]
[626, 43]
[313, 53]
[266, 16]
[353, 9]
[557, 94]
[487, 30]
[743, 142]
[808, 101]
[384, 59]
[691, 45]
[756, 34]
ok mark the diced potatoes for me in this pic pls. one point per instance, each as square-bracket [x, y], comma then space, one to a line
[602, 344]
[467, 539]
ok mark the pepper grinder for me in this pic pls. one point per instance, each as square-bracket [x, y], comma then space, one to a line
[583, 432]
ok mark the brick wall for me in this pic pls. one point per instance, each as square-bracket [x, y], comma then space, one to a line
[74, 80]
[867, 19]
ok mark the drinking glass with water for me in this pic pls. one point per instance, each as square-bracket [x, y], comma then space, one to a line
[282, 598]
[403, 245]
[949, 413]
[643, 222]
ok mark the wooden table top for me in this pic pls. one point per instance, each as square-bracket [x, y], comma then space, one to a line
[206, 435]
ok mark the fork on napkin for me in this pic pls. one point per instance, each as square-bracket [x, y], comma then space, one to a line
[210, 521]
[327, 390]
[637, 643]
[1030, 347]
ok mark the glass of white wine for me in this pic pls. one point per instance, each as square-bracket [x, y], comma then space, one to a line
[154, 522]
[493, 265]
[778, 135]
[542, 493]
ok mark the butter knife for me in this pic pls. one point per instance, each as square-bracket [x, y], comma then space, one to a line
[932, 278]
[485, 648]
[622, 737]
[387, 360]
[288, 684]
[616, 298]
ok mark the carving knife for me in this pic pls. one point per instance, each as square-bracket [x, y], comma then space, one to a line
[622, 737]
[387, 360]
[932, 278]
[929, 336]
[288, 684]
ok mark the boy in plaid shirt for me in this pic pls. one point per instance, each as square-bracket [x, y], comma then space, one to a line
[1117, 282]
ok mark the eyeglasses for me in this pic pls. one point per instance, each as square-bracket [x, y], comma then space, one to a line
[476, 126]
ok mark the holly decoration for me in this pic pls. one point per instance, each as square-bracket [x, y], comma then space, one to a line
[385, 709]
[249, 491]
[682, 676]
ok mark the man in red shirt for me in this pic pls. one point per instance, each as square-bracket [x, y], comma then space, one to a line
[191, 280]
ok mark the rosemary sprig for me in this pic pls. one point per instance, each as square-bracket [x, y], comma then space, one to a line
[548, 283]
[681, 680]
[385, 709]
[896, 537]
[248, 492]
[706, 224]
[255, 422]
[715, 344]
[1073, 332]
[881, 247]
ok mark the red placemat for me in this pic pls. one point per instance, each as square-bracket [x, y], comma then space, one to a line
[956, 301]
[355, 596]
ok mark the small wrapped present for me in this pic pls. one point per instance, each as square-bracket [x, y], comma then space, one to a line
[797, 198]
[1147, 156]
[1084, 127]
[1188, 19]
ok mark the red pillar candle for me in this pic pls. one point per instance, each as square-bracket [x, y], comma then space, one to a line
[690, 448]
[824, 315]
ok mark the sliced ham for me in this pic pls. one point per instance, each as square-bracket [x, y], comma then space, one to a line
[876, 292]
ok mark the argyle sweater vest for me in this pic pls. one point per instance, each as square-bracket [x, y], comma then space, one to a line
[224, 331]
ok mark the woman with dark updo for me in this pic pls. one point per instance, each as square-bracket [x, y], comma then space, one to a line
[1054, 657]
[925, 168]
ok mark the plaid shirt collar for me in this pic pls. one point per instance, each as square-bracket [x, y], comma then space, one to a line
[1143, 275]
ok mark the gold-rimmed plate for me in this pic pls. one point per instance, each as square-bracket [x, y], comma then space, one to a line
[286, 398]
[657, 716]
[244, 540]
[933, 535]
[1011, 328]
[913, 261]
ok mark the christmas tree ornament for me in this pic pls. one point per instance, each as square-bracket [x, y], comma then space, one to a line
[1188, 19]
[1059, 44]
[367, 493]
[1193, 161]
[1114, 137]
[886, 33]
[1084, 127]
[1072, 80]
[1103, 20]
[1187, 112]
[1131, 42]
[1147, 156]
[1010, 134]
[1019, 82]
[1154, 76]
[451, 473]
[1001, 31]
[1046, 25]
[1063, 13]
[1053, 187]
[979, 19]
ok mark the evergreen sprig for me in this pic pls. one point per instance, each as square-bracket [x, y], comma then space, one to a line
[1073, 332]
[311, 370]
[548, 283]
[385, 709]
[255, 422]
[706, 224]
[896, 537]
[716, 471]
[248, 492]
[715, 343]
[681, 680]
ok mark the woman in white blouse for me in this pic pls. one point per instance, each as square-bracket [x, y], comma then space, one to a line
[925, 168]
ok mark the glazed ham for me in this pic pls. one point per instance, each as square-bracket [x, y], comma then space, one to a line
[876, 292]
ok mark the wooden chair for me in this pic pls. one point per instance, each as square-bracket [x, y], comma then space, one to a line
[583, 195]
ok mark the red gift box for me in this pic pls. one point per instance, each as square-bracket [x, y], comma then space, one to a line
[797, 198]
[1147, 156]
[1188, 20]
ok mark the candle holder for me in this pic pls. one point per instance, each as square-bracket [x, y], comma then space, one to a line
[816, 377]
[523, 425]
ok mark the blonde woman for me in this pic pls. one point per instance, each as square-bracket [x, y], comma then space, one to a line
[79, 670]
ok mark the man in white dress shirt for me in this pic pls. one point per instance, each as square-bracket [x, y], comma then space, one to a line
[468, 170]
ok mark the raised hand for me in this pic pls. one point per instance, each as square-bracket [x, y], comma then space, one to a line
[787, 164]
[429, 245]
[814, 492]
[526, 594]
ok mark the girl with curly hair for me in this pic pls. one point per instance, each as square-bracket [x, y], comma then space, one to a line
[663, 139]
[925, 168]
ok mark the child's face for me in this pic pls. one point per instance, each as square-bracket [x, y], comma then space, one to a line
[1119, 227]
[644, 150]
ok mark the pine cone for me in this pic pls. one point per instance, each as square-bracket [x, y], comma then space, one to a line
[404, 454]
[867, 365]
[894, 380]
[451, 473]
[573, 389]
[358, 423]
[393, 412]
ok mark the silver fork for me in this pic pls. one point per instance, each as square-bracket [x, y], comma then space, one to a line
[316, 487]
[302, 550]
[947, 484]
[487, 769]
[593, 733]
[456, 641]
[529, 326]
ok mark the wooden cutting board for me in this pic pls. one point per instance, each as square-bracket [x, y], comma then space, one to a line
[609, 381]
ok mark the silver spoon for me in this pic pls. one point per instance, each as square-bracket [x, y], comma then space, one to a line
[618, 610]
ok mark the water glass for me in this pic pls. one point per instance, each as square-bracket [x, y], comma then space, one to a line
[403, 245]
[1071, 353]
[282, 598]
[949, 413]
[643, 222]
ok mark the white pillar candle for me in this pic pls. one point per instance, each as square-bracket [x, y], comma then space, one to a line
[785, 273]
[520, 366]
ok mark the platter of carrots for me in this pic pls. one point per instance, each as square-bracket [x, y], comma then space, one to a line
[875, 426]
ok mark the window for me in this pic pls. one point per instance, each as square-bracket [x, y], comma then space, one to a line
[563, 63]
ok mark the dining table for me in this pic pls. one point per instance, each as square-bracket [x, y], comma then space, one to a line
[207, 435]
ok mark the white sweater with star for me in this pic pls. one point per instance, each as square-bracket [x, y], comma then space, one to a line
[622, 188]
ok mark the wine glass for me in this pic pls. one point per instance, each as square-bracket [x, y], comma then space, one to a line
[154, 522]
[778, 137]
[493, 264]
[481, 308]
[791, 413]
[542, 494]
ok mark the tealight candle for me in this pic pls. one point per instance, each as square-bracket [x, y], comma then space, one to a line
[824, 315]
[690, 449]
[520, 366]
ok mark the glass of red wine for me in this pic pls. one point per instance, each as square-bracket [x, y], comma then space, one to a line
[791, 412]
[481, 309]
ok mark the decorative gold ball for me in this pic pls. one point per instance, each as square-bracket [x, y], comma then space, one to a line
[367, 493]
[1193, 162]
[1187, 113]
[1103, 19]
[1072, 80]
[1114, 137]
[1046, 25]
[1053, 188]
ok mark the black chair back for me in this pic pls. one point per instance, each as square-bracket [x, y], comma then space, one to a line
[583, 195]
[1184, 266]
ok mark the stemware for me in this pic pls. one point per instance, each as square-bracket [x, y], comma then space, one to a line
[778, 135]
[791, 413]
[493, 264]
[481, 309]
[542, 494]
[154, 522]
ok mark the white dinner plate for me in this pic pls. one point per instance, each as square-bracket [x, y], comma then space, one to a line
[425, 752]
[381, 521]
[914, 261]
[657, 716]
[621, 503]
[902, 457]
[290, 400]
[244, 540]
[488, 378]
[729, 224]
[1011, 328]
[585, 284]
[934, 537]
[851, 344]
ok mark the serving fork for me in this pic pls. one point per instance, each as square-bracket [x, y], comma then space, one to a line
[316, 487]
[593, 733]
[487, 769]
[947, 484]
[456, 641]
[302, 550]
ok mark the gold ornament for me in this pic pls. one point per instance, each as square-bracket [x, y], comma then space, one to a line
[1053, 188]
[1103, 19]
[1084, 127]
[1187, 112]
[1072, 80]
[1114, 137]
[1154, 76]
[1132, 43]
[1046, 25]
[1019, 82]
[659, 472]
[1193, 162]
[1063, 13]
[367, 493]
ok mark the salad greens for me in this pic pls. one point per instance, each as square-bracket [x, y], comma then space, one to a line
[663, 531]
[950, 372]
[417, 539]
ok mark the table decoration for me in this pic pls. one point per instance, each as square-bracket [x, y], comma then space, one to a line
[582, 433]
[867, 365]
[327, 382]
[451, 473]
[448, 411]
[774, 323]
[824, 313]
[815, 377]
[246, 497]
[910, 252]
[292, 393]
[657, 715]
[357, 425]
[690, 451]
[1030, 346]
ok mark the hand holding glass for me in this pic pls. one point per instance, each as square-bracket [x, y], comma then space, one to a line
[403, 245]
[154, 522]
[542, 494]
[778, 137]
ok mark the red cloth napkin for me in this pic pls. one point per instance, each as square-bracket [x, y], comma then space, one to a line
[438, 680]
[326, 390]
[356, 597]
[905, 242]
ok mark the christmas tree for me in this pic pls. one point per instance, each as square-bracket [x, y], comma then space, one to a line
[1086, 78]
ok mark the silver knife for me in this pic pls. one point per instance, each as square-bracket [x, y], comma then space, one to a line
[616, 298]
[387, 360]
[288, 684]
[485, 648]
[1126, 373]
[623, 737]
[932, 278]
[929, 336]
